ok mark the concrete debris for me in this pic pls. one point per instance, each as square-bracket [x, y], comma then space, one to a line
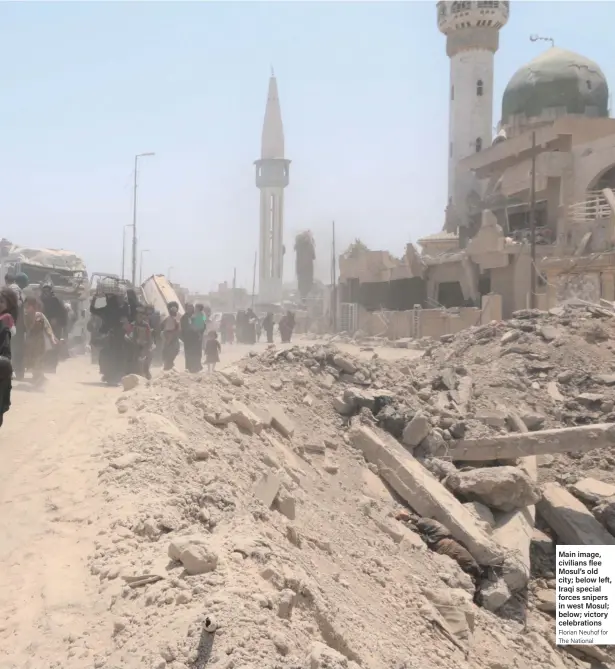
[592, 491]
[416, 430]
[342, 407]
[494, 594]
[542, 541]
[245, 418]
[577, 439]
[569, 518]
[501, 488]
[426, 496]
[198, 559]
[546, 600]
[272, 533]
[482, 512]
[267, 488]
[604, 511]
[280, 421]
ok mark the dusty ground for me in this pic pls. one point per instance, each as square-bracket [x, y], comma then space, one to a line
[52, 509]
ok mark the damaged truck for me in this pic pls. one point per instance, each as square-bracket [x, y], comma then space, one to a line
[65, 270]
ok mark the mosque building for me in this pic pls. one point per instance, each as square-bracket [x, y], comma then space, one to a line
[555, 116]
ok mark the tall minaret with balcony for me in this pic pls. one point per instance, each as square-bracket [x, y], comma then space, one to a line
[272, 176]
[472, 31]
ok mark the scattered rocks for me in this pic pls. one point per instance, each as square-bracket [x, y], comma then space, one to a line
[325, 535]
[592, 491]
[546, 600]
[245, 418]
[502, 488]
[416, 430]
[131, 381]
[494, 594]
[280, 421]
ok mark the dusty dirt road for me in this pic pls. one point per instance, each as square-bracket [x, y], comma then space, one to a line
[50, 512]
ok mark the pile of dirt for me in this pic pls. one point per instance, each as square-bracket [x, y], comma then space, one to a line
[250, 533]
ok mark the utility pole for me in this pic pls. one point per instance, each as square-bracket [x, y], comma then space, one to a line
[533, 225]
[134, 217]
[254, 278]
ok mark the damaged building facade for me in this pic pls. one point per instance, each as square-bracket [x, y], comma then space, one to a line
[554, 127]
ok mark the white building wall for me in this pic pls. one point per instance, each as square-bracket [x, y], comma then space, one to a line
[271, 252]
[471, 115]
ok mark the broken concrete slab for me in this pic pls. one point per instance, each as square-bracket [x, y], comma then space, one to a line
[592, 491]
[604, 511]
[267, 488]
[502, 488]
[425, 495]
[546, 600]
[542, 541]
[342, 407]
[280, 421]
[494, 594]
[562, 440]
[492, 418]
[345, 364]
[416, 430]
[245, 418]
[590, 400]
[264, 414]
[177, 545]
[554, 392]
[482, 512]
[327, 381]
[533, 421]
[198, 559]
[569, 518]
[549, 332]
[233, 376]
[513, 531]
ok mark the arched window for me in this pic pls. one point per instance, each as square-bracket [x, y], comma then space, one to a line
[478, 144]
[479, 88]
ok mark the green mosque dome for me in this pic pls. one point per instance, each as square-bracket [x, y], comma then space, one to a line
[560, 80]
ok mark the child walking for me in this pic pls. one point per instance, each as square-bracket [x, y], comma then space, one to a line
[212, 351]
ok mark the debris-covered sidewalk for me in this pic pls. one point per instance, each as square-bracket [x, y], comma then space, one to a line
[309, 509]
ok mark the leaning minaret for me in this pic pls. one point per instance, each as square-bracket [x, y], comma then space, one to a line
[272, 173]
[472, 37]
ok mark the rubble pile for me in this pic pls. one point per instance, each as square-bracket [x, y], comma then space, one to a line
[315, 510]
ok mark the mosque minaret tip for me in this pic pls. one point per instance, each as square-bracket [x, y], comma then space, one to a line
[272, 177]
[472, 31]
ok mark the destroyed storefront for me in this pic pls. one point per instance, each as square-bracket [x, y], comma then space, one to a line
[431, 295]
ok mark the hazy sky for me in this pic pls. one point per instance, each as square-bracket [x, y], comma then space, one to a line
[364, 95]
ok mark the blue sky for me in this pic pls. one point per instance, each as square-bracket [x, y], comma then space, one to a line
[364, 95]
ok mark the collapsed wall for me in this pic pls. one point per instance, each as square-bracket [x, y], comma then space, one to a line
[276, 515]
